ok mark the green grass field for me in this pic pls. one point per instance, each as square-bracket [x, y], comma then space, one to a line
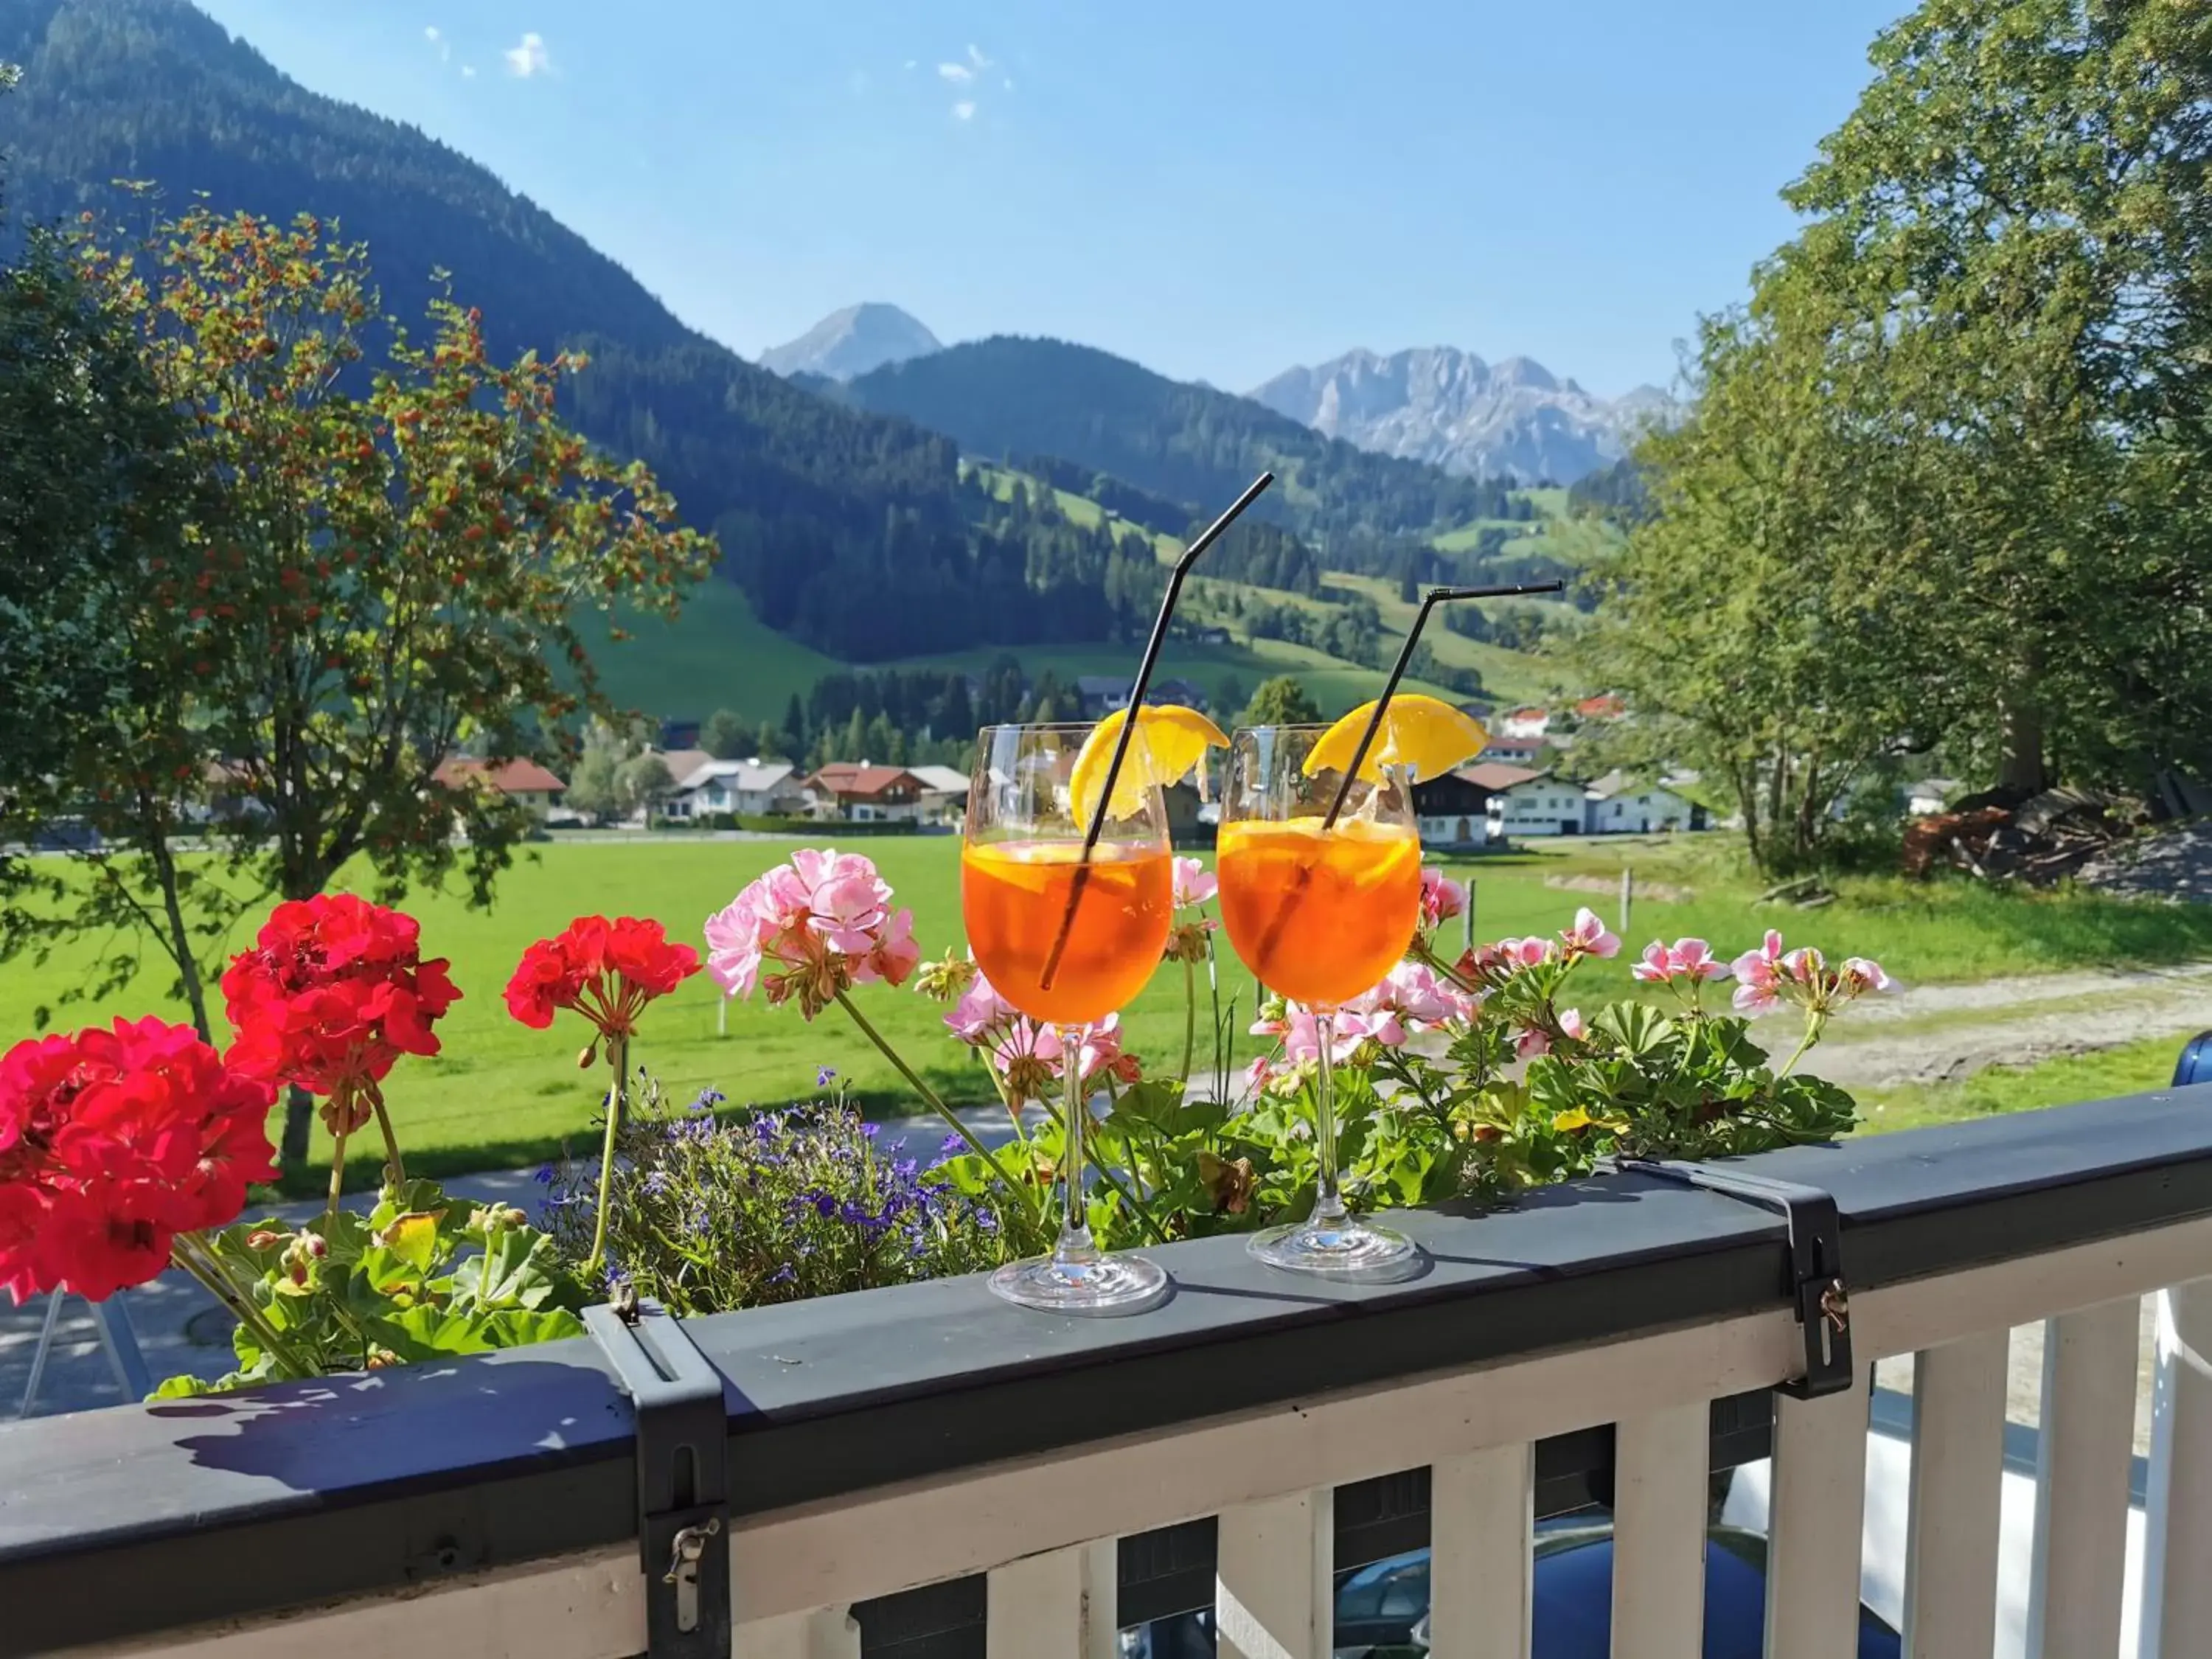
[716, 655]
[502, 1094]
[2131, 1068]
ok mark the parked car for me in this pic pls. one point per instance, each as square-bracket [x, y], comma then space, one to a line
[1383, 1609]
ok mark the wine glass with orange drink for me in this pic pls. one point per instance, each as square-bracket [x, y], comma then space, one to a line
[1321, 894]
[1067, 910]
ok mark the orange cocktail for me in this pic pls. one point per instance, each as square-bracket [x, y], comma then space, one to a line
[1319, 918]
[1014, 896]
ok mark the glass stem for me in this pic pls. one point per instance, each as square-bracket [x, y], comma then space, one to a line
[1328, 1206]
[1074, 1243]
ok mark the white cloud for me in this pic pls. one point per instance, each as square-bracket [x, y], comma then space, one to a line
[468, 71]
[910, 63]
[958, 74]
[977, 58]
[860, 81]
[528, 56]
[964, 110]
[1008, 83]
[445, 46]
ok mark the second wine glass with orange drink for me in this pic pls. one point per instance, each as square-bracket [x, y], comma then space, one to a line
[1320, 868]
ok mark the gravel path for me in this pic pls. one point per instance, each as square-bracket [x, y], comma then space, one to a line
[1919, 1036]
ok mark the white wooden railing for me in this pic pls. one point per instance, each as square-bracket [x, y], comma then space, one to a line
[1042, 1524]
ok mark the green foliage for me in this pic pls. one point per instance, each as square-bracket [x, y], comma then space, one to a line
[1282, 701]
[1947, 485]
[424, 1276]
[727, 735]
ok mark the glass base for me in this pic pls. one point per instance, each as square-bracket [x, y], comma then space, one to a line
[1097, 1285]
[1343, 1249]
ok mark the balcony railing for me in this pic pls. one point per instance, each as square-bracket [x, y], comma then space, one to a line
[924, 1472]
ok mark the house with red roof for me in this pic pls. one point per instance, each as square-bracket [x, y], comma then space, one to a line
[524, 781]
[865, 793]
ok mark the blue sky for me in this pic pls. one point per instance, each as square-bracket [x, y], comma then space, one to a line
[1219, 190]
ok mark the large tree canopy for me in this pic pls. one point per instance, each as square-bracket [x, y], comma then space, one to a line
[1949, 482]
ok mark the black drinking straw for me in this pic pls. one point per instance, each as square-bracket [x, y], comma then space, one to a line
[1435, 596]
[1206, 538]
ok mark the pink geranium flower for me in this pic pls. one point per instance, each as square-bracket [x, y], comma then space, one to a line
[1442, 899]
[1862, 974]
[1691, 959]
[810, 929]
[1759, 976]
[1194, 883]
[1589, 936]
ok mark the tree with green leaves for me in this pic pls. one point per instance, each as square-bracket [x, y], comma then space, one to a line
[1282, 701]
[726, 735]
[642, 783]
[2016, 224]
[1946, 486]
[394, 566]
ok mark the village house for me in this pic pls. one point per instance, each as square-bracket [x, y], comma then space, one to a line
[943, 793]
[1511, 751]
[1535, 804]
[1606, 706]
[1453, 810]
[1528, 721]
[752, 788]
[523, 781]
[864, 792]
[1617, 805]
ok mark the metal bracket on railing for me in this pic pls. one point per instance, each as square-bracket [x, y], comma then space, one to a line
[683, 1476]
[1815, 1285]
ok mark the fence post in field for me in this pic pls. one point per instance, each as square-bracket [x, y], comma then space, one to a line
[1466, 918]
[1627, 892]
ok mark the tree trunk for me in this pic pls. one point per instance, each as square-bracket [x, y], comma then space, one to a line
[2020, 747]
[180, 938]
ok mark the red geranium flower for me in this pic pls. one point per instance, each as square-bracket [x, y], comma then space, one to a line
[112, 1142]
[606, 970]
[334, 991]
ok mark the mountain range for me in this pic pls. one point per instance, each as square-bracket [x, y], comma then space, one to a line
[841, 497]
[852, 342]
[1512, 419]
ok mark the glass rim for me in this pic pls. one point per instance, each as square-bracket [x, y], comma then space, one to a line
[982, 732]
[1300, 728]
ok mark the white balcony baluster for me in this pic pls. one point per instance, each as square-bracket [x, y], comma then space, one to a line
[2083, 1457]
[824, 1633]
[1659, 1500]
[1055, 1606]
[1481, 1510]
[1816, 1515]
[2177, 1593]
[1957, 1498]
[1272, 1594]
